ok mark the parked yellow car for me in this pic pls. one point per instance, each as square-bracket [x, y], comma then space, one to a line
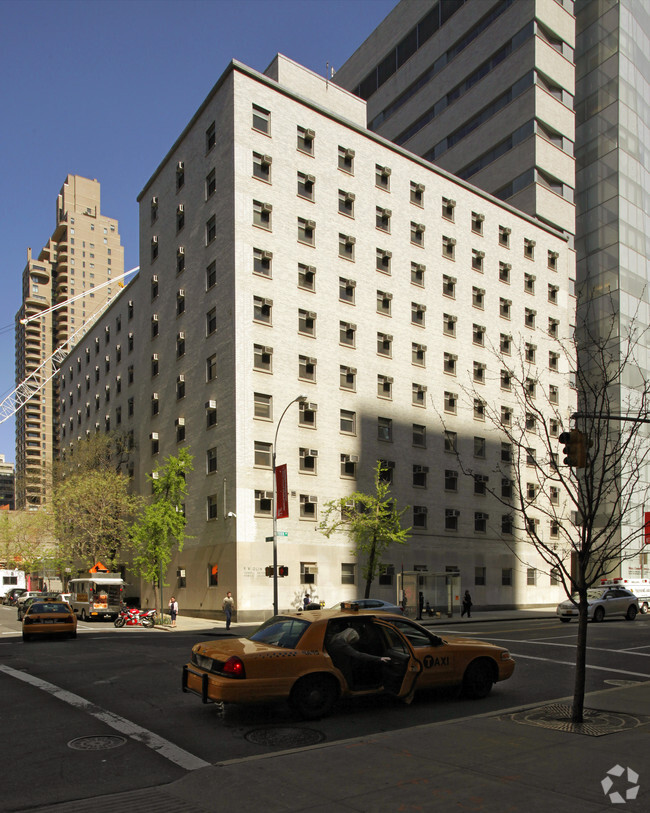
[291, 657]
[49, 617]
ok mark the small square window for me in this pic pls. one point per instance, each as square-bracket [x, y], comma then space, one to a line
[552, 260]
[384, 386]
[346, 246]
[529, 318]
[384, 301]
[419, 436]
[347, 288]
[306, 186]
[305, 140]
[478, 298]
[382, 218]
[347, 334]
[210, 184]
[417, 234]
[262, 310]
[383, 261]
[348, 378]
[382, 177]
[210, 230]
[553, 291]
[263, 406]
[417, 274]
[505, 308]
[211, 321]
[451, 402]
[449, 364]
[417, 193]
[262, 262]
[348, 422]
[418, 314]
[529, 283]
[420, 516]
[346, 159]
[307, 368]
[263, 454]
[385, 429]
[306, 231]
[261, 119]
[448, 208]
[346, 203]
[478, 335]
[211, 460]
[262, 166]
[306, 277]
[418, 354]
[211, 507]
[263, 358]
[477, 222]
[451, 442]
[210, 276]
[451, 519]
[262, 215]
[418, 395]
[449, 286]
[449, 247]
[504, 272]
[529, 249]
[504, 236]
[307, 322]
[384, 345]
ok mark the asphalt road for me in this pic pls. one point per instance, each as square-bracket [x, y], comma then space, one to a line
[124, 685]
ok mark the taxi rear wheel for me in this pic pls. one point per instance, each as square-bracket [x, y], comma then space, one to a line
[478, 679]
[630, 615]
[599, 614]
[313, 697]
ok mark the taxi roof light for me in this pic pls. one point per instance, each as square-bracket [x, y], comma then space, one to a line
[349, 605]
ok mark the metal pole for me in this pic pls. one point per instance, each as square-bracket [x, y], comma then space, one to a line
[300, 398]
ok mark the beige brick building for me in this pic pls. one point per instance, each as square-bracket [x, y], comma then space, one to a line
[83, 252]
[285, 250]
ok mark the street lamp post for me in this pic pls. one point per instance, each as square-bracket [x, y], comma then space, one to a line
[299, 399]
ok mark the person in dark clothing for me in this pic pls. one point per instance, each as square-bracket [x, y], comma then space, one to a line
[467, 605]
[345, 655]
[420, 605]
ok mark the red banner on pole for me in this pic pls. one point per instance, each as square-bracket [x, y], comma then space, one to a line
[647, 527]
[281, 491]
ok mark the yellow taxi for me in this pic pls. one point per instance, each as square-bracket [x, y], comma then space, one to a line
[315, 657]
[49, 617]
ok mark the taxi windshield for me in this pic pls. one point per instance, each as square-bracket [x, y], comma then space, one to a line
[280, 631]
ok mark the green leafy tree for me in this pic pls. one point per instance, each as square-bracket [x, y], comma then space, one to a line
[372, 521]
[91, 501]
[162, 524]
[26, 541]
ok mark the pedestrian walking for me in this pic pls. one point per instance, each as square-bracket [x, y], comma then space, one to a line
[467, 605]
[306, 601]
[173, 610]
[228, 607]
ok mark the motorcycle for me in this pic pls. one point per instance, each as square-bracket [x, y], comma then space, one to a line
[132, 617]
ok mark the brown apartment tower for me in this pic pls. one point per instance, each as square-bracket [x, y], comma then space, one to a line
[83, 252]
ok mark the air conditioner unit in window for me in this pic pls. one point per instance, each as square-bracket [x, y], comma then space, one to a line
[313, 453]
[267, 255]
[480, 255]
[310, 224]
[309, 135]
[312, 500]
[154, 240]
[386, 171]
[180, 422]
[267, 207]
[210, 404]
[311, 361]
[349, 153]
[154, 200]
[267, 159]
[267, 303]
[419, 187]
[180, 208]
[154, 356]
[310, 406]
[154, 396]
[350, 196]
[310, 315]
[180, 379]
[181, 335]
[388, 297]
[350, 241]
[153, 436]
[180, 251]
[180, 166]
[181, 293]
[267, 351]
[310, 179]
[353, 458]
[387, 254]
[267, 495]
[386, 212]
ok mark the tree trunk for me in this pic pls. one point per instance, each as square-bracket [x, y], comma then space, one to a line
[577, 714]
[371, 566]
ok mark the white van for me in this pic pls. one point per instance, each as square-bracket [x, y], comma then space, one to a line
[640, 588]
[95, 597]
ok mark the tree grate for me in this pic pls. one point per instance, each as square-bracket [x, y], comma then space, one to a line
[596, 723]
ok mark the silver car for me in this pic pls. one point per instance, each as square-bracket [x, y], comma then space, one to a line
[602, 601]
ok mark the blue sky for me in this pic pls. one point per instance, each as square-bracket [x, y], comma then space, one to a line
[102, 88]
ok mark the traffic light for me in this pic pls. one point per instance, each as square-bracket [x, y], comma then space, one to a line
[575, 448]
[283, 570]
[270, 571]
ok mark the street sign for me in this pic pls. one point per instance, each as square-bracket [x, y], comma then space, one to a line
[269, 539]
[283, 533]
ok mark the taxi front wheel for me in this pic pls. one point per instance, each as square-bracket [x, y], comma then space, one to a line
[478, 680]
[313, 697]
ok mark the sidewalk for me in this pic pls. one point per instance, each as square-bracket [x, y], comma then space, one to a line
[490, 763]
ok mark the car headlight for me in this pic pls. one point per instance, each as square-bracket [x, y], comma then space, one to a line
[505, 655]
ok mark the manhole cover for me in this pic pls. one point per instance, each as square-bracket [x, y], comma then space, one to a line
[96, 743]
[285, 737]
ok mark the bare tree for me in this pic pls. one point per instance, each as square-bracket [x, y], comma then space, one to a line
[582, 520]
